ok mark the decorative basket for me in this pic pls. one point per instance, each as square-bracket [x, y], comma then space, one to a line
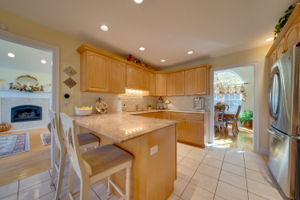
[4, 127]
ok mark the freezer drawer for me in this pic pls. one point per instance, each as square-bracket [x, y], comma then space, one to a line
[280, 160]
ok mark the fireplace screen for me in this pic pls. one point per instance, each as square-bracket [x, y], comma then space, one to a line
[26, 113]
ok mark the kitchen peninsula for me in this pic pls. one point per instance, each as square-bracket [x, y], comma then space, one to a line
[152, 142]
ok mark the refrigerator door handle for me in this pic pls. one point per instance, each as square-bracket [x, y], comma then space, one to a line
[275, 134]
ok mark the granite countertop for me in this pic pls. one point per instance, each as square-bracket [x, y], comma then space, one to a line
[151, 111]
[121, 127]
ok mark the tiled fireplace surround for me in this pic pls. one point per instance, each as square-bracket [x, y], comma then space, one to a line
[7, 103]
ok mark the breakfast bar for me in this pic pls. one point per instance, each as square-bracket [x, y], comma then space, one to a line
[152, 142]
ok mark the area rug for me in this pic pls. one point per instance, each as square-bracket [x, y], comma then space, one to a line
[14, 144]
[45, 138]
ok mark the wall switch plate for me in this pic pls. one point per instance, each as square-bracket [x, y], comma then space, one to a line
[153, 150]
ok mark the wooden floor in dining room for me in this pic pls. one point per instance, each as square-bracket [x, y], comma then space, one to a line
[244, 140]
[26, 164]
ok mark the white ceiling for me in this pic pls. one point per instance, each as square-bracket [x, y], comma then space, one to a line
[166, 28]
[26, 58]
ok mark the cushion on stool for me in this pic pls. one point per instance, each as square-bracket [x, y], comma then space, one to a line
[105, 157]
[87, 138]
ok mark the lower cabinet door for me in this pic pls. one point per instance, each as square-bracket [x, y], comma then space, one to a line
[194, 132]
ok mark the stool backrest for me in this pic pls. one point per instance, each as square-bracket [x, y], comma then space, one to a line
[55, 131]
[69, 131]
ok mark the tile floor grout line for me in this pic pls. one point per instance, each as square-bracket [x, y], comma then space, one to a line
[191, 177]
[246, 176]
[219, 175]
[18, 189]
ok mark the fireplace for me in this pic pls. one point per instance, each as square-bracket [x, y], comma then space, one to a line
[25, 113]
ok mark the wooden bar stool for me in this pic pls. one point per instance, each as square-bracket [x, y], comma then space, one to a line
[58, 150]
[95, 165]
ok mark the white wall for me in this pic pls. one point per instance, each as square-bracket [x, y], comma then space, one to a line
[9, 75]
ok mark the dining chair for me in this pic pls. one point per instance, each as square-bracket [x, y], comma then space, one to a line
[58, 151]
[234, 121]
[95, 165]
[220, 123]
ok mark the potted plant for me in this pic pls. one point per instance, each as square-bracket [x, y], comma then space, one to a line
[246, 117]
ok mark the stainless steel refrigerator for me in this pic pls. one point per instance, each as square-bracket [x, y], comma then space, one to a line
[284, 130]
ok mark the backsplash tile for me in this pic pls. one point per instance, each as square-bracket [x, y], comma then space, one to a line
[185, 103]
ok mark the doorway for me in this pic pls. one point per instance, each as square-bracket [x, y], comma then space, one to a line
[233, 114]
[29, 87]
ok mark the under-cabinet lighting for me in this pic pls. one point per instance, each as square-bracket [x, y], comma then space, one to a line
[138, 1]
[134, 92]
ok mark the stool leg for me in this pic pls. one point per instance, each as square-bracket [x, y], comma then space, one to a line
[70, 178]
[60, 177]
[128, 177]
[84, 190]
[108, 186]
[53, 162]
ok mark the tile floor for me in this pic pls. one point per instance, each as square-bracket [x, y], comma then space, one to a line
[214, 173]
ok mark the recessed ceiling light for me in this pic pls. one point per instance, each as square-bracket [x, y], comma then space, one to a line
[43, 61]
[10, 54]
[162, 60]
[104, 28]
[142, 48]
[190, 52]
[138, 1]
[270, 39]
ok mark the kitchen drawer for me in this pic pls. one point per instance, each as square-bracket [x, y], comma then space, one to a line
[194, 116]
[177, 116]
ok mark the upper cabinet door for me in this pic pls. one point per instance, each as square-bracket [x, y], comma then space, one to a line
[132, 78]
[161, 84]
[146, 80]
[179, 83]
[97, 69]
[152, 84]
[197, 81]
[170, 84]
[190, 82]
[201, 81]
[137, 78]
[117, 77]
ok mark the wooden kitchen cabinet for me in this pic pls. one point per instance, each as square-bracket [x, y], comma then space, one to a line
[94, 72]
[137, 78]
[161, 84]
[194, 132]
[175, 84]
[180, 127]
[191, 128]
[133, 77]
[197, 81]
[99, 73]
[152, 84]
[117, 77]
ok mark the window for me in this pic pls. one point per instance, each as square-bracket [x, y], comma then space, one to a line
[228, 88]
[232, 100]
